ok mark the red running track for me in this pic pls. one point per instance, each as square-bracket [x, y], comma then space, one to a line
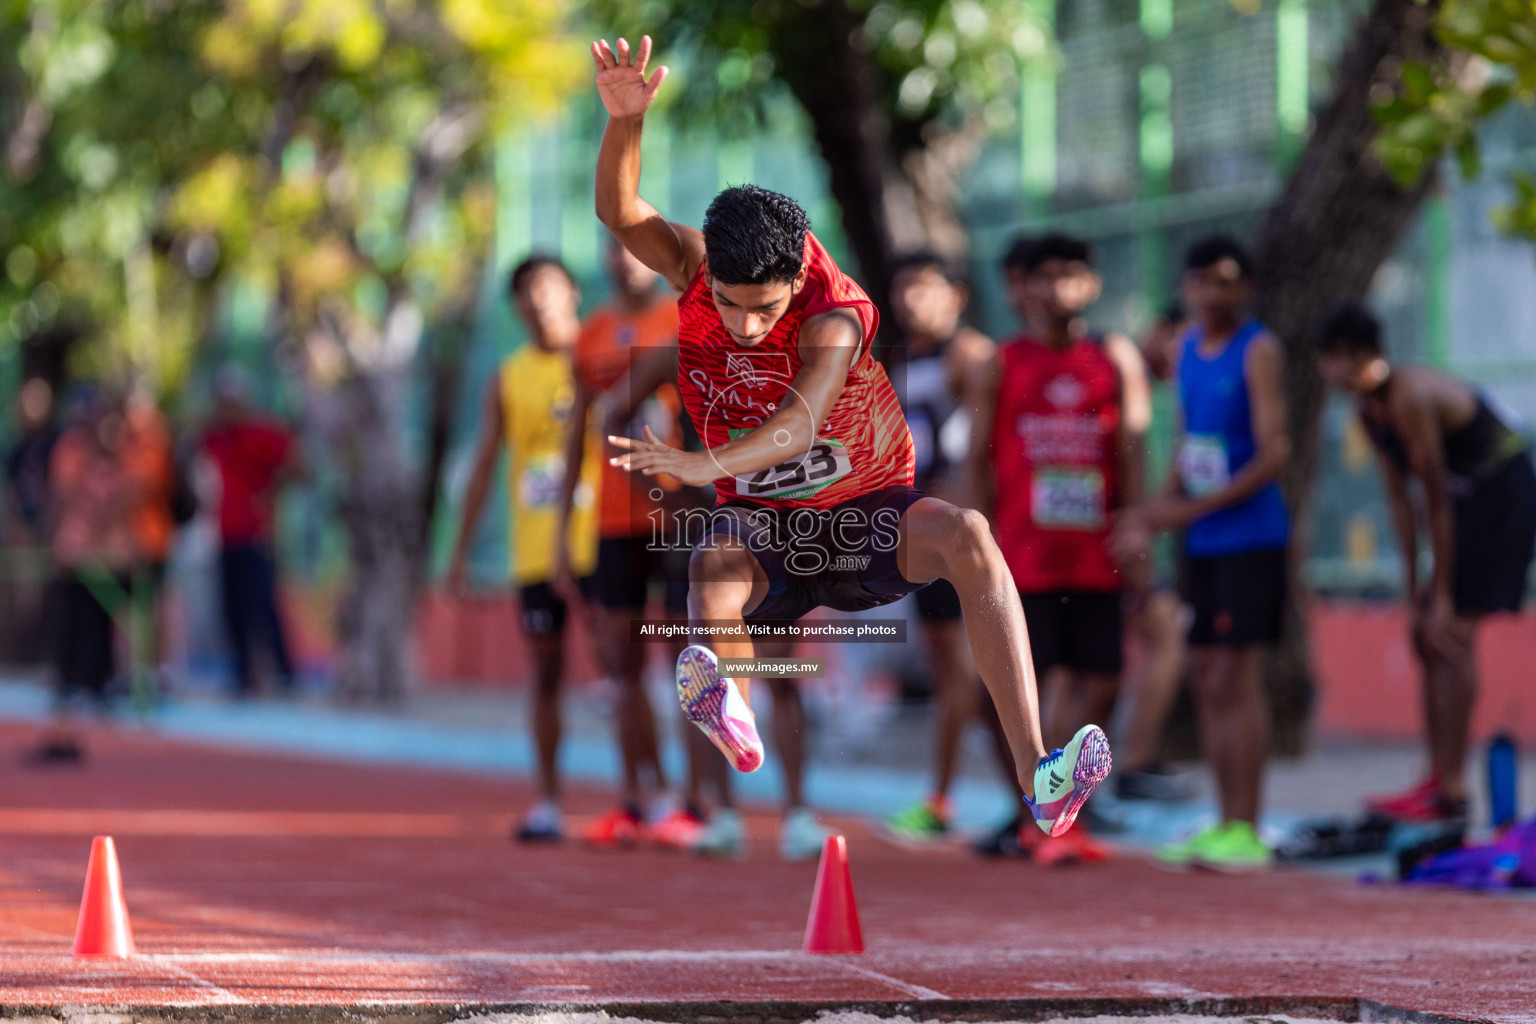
[274, 880]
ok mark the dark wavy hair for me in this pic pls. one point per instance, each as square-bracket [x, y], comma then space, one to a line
[1212, 249]
[524, 270]
[1028, 252]
[1349, 328]
[754, 236]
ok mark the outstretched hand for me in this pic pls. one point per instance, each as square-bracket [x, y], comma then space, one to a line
[621, 80]
[651, 455]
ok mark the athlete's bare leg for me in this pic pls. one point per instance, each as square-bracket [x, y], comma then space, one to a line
[548, 667]
[1000, 749]
[1234, 724]
[636, 721]
[1163, 652]
[725, 582]
[1078, 698]
[954, 678]
[789, 736]
[1450, 692]
[937, 540]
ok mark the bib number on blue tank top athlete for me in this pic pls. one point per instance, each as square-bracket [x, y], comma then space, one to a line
[1068, 498]
[800, 477]
[1203, 464]
[538, 486]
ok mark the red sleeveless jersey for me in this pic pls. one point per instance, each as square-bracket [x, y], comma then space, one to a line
[1054, 460]
[729, 389]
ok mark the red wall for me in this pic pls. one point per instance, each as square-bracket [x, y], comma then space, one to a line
[1368, 680]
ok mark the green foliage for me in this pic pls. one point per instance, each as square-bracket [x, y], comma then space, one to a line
[933, 59]
[1434, 111]
[330, 151]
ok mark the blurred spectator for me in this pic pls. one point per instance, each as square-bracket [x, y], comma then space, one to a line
[527, 408]
[93, 549]
[158, 509]
[1480, 517]
[27, 467]
[27, 565]
[1223, 492]
[1156, 615]
[930, 370]
[638, 319]
[1053, 422]
[255, 456]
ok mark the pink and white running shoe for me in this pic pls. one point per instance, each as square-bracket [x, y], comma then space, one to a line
[716, 706]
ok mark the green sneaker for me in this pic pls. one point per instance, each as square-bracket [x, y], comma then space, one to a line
[919, 823]
[1236, 847]
[1183, 854]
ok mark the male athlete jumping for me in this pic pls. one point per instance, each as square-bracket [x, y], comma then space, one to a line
[807, 446]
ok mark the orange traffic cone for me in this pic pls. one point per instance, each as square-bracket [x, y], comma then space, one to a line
[833, 926]
[103, 929]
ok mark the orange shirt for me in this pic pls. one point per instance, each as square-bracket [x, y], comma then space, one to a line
[610, 341]
[150, 462]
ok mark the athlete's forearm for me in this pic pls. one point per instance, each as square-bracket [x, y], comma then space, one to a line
[787, 434]
[1261, 471]
[1407, 537]
[575, 455]
[1442, 539]
[474, 499]
[619, 205]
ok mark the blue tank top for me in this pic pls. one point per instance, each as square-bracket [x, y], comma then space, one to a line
[1218, 442]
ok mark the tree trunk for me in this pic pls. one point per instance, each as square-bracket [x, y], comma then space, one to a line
[1339, 217]
[380, 510]
[890, 201]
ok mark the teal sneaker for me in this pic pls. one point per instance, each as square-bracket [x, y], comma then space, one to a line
[1066, 778]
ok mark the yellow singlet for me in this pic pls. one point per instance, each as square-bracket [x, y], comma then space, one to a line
[537, 392]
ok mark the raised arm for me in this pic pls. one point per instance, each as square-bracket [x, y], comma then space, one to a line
[672, 250]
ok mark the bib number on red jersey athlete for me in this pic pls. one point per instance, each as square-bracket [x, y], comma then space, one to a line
[1068, 498]
[800, 477]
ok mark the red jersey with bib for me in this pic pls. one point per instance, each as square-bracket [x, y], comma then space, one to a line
[1053, 442]
[730, 389]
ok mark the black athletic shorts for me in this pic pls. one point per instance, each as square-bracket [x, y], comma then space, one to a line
[1077, 629]
[842, 557]
[626, 568]
[543, 609]
[1495, 526]
[1237, 599]
[938, 602]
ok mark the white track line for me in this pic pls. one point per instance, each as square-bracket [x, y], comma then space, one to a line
[908, 987]
[221, 995]
[523, 959]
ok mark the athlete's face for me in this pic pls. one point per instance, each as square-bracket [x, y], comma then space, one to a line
[1054, 292]
[630, 276]
[749, 311]
[926, 303]
[547, 301]
[1355, 372]
[1216, 294]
